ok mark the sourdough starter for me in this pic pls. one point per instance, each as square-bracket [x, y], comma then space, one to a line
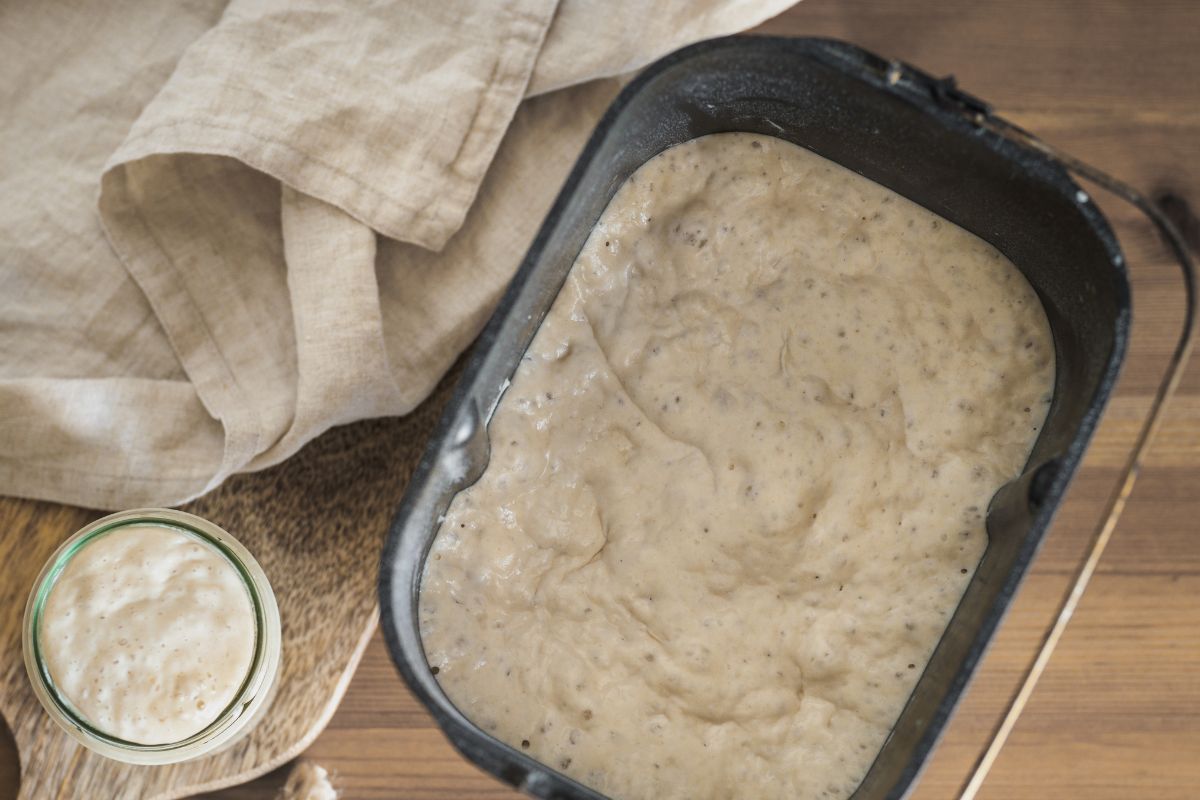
[148, 633]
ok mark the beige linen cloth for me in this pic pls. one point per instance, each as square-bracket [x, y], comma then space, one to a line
[226, 227]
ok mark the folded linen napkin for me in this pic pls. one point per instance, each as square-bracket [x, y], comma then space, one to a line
[307, 209]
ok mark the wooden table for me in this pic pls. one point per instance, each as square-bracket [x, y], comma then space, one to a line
[1118, 713]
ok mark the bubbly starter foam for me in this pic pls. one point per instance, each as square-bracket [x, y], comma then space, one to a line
[148, 633]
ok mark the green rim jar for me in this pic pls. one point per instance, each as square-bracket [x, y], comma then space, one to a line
[252, 697]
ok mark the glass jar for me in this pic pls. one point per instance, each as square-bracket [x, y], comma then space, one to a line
[250, 701]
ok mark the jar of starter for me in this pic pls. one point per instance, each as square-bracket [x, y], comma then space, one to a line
[152, 636]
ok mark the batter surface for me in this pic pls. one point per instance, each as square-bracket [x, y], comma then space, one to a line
[738, 484]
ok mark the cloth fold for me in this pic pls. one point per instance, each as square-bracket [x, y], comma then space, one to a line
[306, 211]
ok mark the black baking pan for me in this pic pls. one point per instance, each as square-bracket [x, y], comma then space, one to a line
[903, 129]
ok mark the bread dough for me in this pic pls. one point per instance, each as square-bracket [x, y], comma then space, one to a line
[738, 484]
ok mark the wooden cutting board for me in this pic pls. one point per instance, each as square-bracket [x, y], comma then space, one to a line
[316, 524]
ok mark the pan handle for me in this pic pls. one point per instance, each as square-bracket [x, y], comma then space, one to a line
[1116, 502]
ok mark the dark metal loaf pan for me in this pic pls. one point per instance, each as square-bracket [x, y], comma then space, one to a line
[898, 127]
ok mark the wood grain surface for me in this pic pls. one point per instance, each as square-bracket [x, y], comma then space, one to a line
[1118, 713]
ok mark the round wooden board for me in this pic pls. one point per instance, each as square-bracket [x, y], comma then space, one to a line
[316, 523]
